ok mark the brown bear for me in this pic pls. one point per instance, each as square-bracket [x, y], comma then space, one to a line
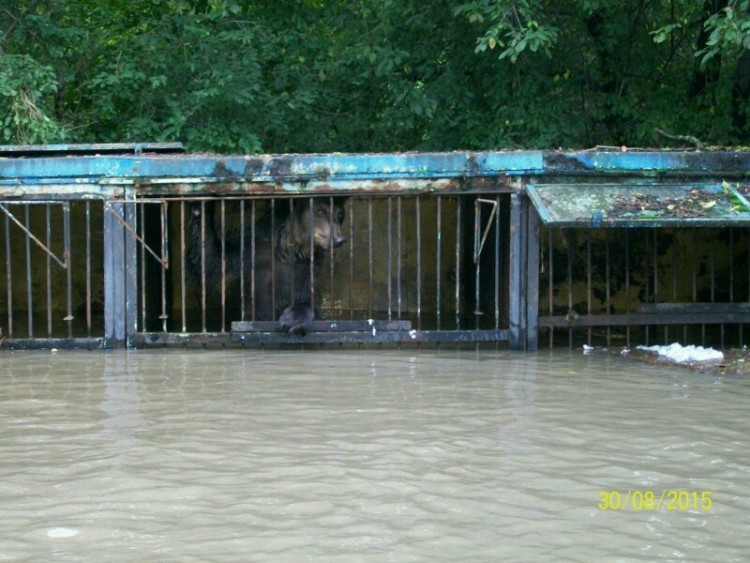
[290, 239]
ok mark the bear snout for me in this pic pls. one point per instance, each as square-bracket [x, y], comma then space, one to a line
[338, 240]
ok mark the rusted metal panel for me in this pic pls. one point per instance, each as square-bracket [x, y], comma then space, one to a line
[168, 188]
[648, 162]
[645, 319]
[159, 170]
[642, 205]
[274, 168]
[90, 148]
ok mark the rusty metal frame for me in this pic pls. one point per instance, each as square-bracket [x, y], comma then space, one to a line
[118, 176]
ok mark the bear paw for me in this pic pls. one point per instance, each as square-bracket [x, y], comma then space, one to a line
[297, 319]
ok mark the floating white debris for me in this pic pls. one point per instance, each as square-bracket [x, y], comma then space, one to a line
[413, 334]
[61, 533]
[587, 349]
[685, 354]
[625, 351]
[370, 321]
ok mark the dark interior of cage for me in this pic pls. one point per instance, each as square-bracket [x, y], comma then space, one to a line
[52, 284]
[433, 262]
[631, 286]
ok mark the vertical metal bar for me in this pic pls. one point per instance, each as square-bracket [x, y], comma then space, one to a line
[712, 269]
[731, 264]
[253, 218]
[369, 251]
[608, 290]
[331, 223]
[142, 207]
[524, 255]
[88, 269]
[647, 289]
[655, 267]
[439, 253]
[712, 259]
[550, 286]
[588, 282]
[273, 258]
[627, 284]
[673, 252]
[418, 203]
[223, 242]
[570, 236]
[48, 241]
[165, 260]
[29, 294]
[532, 279]
[731, 271]
[131, 279]
[182, 266]
[390, 243]
[477, 260]
[242, 260]
[9, 277]
[293, 269]
[69, 269]
[351, 261]
[311, 207]
[459, 211]
[203, 266]
[398, 256]
[695, 281]
[497, 262]
[114, 263]
[515, 311]
[747, 285]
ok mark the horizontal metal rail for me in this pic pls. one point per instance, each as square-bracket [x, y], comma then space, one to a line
[160, 339]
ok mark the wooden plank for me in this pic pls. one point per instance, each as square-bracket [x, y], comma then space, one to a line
[324, 326]
[353, 337]
[636, 319]
[693, 308]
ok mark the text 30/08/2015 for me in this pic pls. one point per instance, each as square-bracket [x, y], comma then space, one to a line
[651, 500]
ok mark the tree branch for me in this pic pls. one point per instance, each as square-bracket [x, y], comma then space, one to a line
[687, 138]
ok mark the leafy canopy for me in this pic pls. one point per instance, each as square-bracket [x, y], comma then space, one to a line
[243, 76]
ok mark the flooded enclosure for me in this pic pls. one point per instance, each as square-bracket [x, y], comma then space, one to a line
[434, 265]
[622, 287]
[141, 245]
[304, 356]
[231, 455]
[52, 287]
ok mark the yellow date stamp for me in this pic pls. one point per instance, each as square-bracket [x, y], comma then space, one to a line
[668, 499]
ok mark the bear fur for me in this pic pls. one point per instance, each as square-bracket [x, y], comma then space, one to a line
[285, 239]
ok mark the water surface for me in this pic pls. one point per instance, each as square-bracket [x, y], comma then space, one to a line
[371, 456]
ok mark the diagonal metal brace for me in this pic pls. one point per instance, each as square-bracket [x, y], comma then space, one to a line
[164, 262]
[479, 243]
[66, 254]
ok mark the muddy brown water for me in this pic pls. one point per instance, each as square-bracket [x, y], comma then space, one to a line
[369, 456]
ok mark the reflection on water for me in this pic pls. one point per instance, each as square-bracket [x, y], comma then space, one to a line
[237, 455]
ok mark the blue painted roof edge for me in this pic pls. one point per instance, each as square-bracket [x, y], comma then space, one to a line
[343, 166]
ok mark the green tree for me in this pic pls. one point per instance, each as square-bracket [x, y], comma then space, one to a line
[374, 75]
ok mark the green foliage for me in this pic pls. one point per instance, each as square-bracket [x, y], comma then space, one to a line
[729, 31]
[240, 76]
[24, 87]
[513, 27]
